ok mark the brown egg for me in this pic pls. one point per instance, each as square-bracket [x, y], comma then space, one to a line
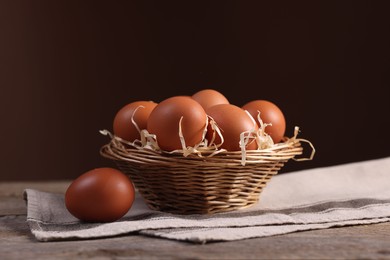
[232, 121]
[269, 113]
[100, 195]
[164, 122]
[209, 97]
[124, 128]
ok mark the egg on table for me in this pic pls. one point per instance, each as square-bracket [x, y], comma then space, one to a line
[100, 195]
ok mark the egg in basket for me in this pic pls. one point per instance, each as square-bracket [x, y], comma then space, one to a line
[200, 154]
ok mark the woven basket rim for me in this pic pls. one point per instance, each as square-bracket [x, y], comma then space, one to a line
[119, 149]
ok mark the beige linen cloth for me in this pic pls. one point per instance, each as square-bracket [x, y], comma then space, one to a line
[348, 194]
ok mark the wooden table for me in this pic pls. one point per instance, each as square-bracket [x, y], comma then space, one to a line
[16, 241]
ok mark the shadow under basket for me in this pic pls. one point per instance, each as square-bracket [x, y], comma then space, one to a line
[200, 185]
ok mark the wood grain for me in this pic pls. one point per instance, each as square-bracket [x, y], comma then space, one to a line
[16, 241]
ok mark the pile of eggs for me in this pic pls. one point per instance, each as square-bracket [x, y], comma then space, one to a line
[191, 113]
[106, 194]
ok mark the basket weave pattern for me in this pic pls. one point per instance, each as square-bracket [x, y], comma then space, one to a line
[200, 185]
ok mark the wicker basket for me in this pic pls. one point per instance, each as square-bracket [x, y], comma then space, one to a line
[200, 185]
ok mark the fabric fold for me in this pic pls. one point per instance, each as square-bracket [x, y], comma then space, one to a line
[349, 194]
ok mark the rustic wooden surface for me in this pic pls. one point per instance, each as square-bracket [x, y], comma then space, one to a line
[16, 241]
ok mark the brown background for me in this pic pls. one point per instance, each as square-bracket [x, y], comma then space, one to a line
[66, 67]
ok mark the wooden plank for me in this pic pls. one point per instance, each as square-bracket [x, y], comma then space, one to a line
[11, 194]
[16, 241]
[12, 206]
[15, 189]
